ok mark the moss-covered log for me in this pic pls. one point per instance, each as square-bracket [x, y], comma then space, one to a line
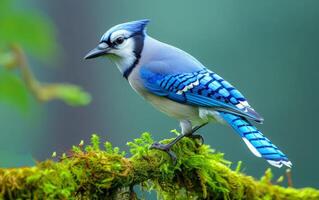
[92, 173]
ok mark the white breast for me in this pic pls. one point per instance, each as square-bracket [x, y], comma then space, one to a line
[165, 105]
[197, 115]
[172, 108]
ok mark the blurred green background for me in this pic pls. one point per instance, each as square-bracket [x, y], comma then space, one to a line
[267, 49]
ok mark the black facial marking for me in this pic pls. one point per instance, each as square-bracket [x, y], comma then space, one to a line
[108, 42]
[139, 43]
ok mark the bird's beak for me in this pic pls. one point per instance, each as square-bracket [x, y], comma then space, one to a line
[96, 52]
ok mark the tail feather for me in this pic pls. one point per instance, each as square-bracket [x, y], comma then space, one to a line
[258, 144]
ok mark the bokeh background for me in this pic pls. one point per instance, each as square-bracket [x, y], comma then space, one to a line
[267, 49]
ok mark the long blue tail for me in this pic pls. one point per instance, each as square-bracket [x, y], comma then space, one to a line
[256, 142]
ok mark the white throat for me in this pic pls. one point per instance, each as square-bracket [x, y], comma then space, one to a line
[123, 63]
[125, 57]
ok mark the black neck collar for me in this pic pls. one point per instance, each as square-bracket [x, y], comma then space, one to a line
[129, 70]
[139, 43]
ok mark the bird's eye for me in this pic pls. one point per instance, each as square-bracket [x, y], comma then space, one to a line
[119, 40]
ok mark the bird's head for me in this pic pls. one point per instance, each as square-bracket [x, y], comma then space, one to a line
[122, 43]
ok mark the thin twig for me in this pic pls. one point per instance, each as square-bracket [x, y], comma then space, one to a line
[70, 94]
[289, 177]
[31, 83]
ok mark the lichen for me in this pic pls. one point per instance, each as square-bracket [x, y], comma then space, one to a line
[92, 172]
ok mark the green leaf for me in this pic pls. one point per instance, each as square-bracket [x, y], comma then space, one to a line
[5, 6]
[95, 141]
[13, 90]
[34, 32]
[72, 94]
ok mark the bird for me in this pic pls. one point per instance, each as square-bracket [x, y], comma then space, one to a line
[180, 86]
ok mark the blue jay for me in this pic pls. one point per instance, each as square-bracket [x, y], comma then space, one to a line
[180, 86]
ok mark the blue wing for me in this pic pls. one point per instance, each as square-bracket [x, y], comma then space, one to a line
[201, 88]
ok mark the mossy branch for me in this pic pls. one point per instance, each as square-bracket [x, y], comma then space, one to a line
[88, 172]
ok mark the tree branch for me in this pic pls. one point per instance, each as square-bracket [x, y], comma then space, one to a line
[92, 173]
[71, 94]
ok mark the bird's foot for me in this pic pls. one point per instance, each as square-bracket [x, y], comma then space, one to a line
[197, 137]
[194, 136]
[166, 148]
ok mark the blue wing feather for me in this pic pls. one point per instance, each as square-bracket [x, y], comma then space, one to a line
[206, 89]
[201, 88]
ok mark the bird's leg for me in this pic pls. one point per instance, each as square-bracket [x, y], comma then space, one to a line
[199, 137]
[167, 147]
[187, 131]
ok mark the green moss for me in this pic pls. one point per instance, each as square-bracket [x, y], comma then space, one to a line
[90, 172]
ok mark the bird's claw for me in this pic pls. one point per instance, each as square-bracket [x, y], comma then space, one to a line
[197, 137]
[165, 148]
